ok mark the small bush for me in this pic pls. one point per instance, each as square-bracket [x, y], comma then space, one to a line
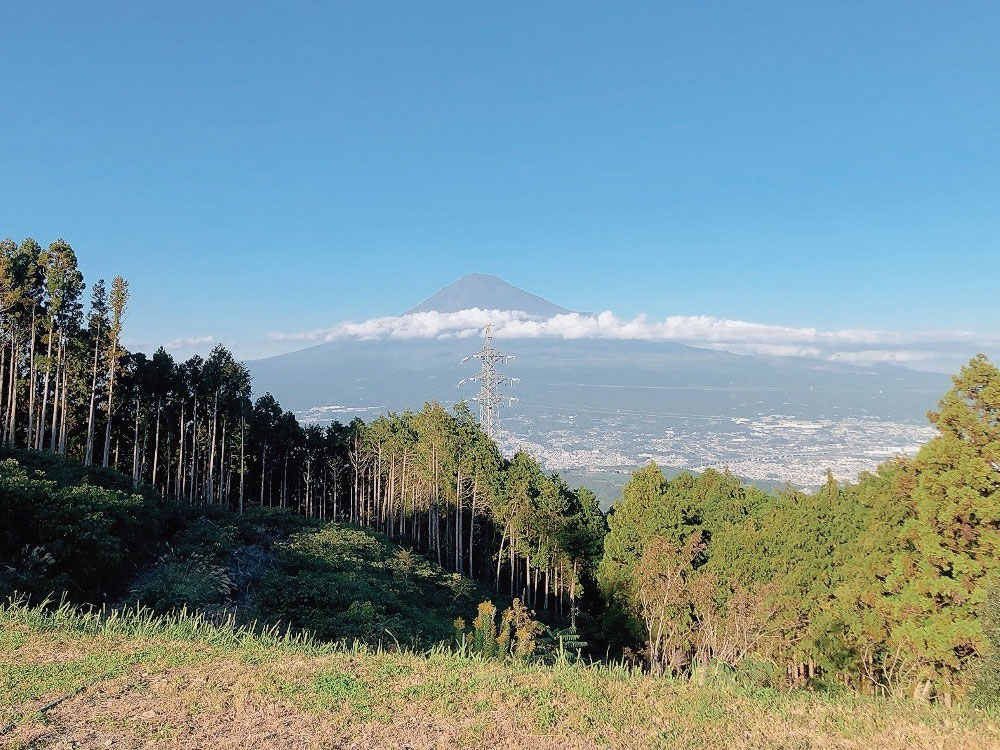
[194, 582]
[23, 572]
[213, 539]
[517, 637]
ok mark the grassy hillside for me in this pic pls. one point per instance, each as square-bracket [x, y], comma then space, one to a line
[69, 679]
[87, 535]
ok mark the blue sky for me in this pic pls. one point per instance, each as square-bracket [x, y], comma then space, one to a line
[262, 167]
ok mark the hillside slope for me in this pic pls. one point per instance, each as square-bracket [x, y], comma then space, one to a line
[88, 535]
[70, 680]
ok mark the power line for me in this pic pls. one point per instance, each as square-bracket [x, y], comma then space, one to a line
[490, 382]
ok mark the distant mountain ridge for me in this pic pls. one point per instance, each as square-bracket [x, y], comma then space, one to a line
[656, 376]
[487, 292]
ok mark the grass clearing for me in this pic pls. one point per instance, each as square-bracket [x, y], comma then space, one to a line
[142, 681]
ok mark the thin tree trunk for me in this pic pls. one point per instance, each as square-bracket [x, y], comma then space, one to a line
[40, 439]
[194, 447]
[512, 567]
[111, 394]
[32, 375]
[55, 397]
[135, 445]
[11, 436]
[179, 484]
[64, 421]
[336, 488]
[263, 467]
[222, 464]
[243, 424]
[458, 523]
[166, 464]
[211, 450]
[88, 458]
[156, 440]
[503, 538]
[5, 387]
[472, 523]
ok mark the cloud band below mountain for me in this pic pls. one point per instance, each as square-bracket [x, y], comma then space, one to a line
[926, 349]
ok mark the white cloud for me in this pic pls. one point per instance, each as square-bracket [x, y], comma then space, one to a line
[189, 343]
[703, 329]
[849, 345]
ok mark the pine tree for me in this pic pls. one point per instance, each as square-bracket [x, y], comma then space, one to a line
[951, 544]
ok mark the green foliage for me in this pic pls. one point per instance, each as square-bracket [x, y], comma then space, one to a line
[194, 582]
[881, 584]
[561, 644]
[439, 482]
[484, 631]
[651, 508]
[188, 431]
[951, 542]
[90, 542]
[84, 539]
[343, 582]
[66, 472]
[517, 636]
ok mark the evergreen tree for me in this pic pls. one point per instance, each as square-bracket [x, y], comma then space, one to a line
[951, 541]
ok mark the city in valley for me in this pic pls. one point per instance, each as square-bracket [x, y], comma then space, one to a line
[766, 448]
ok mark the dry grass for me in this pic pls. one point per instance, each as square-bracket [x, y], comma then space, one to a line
[153, 686]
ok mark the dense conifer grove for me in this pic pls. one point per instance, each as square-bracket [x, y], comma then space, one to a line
[882, 585]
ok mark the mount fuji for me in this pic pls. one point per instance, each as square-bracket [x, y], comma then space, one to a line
[487, 292]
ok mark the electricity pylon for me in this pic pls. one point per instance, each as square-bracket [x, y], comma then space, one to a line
[490, 382]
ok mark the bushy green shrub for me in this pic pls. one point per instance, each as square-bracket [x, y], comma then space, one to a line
[759, 673]
[340, 582]
[65, 471]
[561, 644]
[22, 572]
[518, 636]
[103, 541]
[196, 582]
[484, 631]
[95, 538]
[215, 539]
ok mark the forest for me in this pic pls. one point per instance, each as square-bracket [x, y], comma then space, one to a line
[129, 477]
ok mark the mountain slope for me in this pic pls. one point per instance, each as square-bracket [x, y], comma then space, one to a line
[392, 374]
[487, 292]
